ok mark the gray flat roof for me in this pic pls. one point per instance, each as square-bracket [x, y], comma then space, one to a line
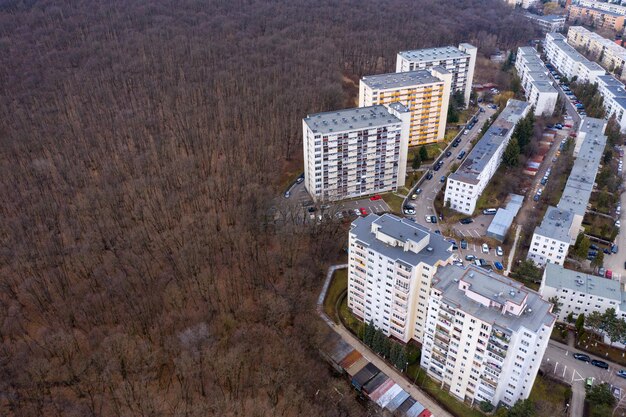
[497, 288]
[567, 49]
[401, 229]
[351, 119]
[486, 147]
[556, 224]
[545, 86]
[615, 87]
[599, 10]
[399, 107]
[401, 79]
[550, 18]
[504, 216]
[433, 54]
[556, 276]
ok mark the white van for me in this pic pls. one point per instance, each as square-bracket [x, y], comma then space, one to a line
[490, 211]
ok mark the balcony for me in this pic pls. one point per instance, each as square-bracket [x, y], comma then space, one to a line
[499, 352]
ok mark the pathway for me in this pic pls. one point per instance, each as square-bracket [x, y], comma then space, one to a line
[512, 253]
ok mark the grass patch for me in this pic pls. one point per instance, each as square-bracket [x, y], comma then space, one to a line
[600, 226]
[559, 333]
[413, 177]
[447, 401]
[394, 201]
[338, 284]
[550, 396]
[433, 150]
[352, 322]
[592, 343]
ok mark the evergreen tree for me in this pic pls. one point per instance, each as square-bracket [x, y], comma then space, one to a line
[580, 324]
[393, 354]
[423, 153]
[581, 247]
[417, 161]
[386, 346]
[401, 360]
[556, 303]
[594, 321]
[523, 408]
[368, 334]
[510, 157]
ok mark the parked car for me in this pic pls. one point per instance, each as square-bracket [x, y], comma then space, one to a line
[600, 364]
[544, 180]
[490, 211]
[582, 357]
[466, 220]
[614, 248]
[300, 179]
[455, 144]
[499, 251]
[375, 197]
[601, 271]
[429, 176]
[363, 211]
[427, 217]
[356, 212]
[621, 373]
[461, 155]
[448, 153]
[433, 219]
[609, 274]
[287, 194]
[407, 209]
[443, 178]
[536, 197]
[463, 244]
[498, 266]
[485, 248]
[469, 257]
[617, 224]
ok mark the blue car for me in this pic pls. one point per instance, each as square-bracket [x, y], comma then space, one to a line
[498, 266]
[443, 178]
[621, 373]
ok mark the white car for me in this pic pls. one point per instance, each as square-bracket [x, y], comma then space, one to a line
[617, 224]
[499, 251]
[485, 248]
[356, 212]
[427, 217]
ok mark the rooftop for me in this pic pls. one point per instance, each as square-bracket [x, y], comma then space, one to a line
[615, 49]
[437, 249]
[556, 224]
[350, 119]
[544, 86]
[433, 54]
[401, 79]
[556, 276]
[504, 216]
[496, 288]
[612, 85]
[485, 149]
[550, 18]
[598, 10]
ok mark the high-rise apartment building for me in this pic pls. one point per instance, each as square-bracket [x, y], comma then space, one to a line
[425, 93]
[354, 152]
[459, 61]
[391, 264]
[465, 186]
[485, 335]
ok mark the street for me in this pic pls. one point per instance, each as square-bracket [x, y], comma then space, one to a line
[559, 362]
[615, 262]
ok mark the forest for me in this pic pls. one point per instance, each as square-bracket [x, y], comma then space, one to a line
[142, 143]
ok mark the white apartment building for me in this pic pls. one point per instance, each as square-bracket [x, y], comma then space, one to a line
[464, 187]
[537, 85]
[485, 335]
[459, 61]
[614, 94]
[426, 94]
[569, 61]
[561, 224]
[354, 152]
[610, 55]
[524, 4]
[581, 293]
[547, 23]
[605, 6]
[391, 265]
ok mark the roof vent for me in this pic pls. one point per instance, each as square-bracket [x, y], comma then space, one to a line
[512, 293]
[429, 249]
[471, 275]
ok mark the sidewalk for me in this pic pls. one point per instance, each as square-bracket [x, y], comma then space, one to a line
[391, 372]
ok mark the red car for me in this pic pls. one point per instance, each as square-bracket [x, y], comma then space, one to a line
[609, 274]
[363, 211]
[375, 197]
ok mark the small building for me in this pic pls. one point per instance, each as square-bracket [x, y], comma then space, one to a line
[501, 223]
[548, 23]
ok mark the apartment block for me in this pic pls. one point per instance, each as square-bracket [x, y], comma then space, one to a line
[464, 187]
[392, 262]
[581, 293]
[614, 94]
[561, 224]
[547, 23]
[459, 61]
[608, 54]
[599, 18]
[537, 85]
[485, 335]
[425, 93]
[355, 152]
[604, 6]
[524, 4]
[569, 61]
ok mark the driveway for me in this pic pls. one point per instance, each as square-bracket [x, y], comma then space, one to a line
[615, 262]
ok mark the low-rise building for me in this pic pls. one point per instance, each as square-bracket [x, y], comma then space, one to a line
[599, 18]
[561, 224]
[569, 61]
[485, 335]
[535, 81]
[547, 23]
[608, 54]
[392, 262]
[464, 187]
[459, 61]
[581, 293]
[355, 152]
[502, 221]
[425, 93]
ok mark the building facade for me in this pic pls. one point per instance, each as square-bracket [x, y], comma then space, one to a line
[355, 152]
[581, 293]
[561, 224]
[608, 54]
[485, 335]
[614, 94]
[537, 85]
[464, 187]
[426, 94]
[569, 61]
[604, 6]
[459, 61]
[599, 18]
[547, 23]
[392, 262]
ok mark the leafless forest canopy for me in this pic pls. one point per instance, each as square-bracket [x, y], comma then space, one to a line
[141, 144]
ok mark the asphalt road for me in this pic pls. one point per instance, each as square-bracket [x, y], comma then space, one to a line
[558, 361]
